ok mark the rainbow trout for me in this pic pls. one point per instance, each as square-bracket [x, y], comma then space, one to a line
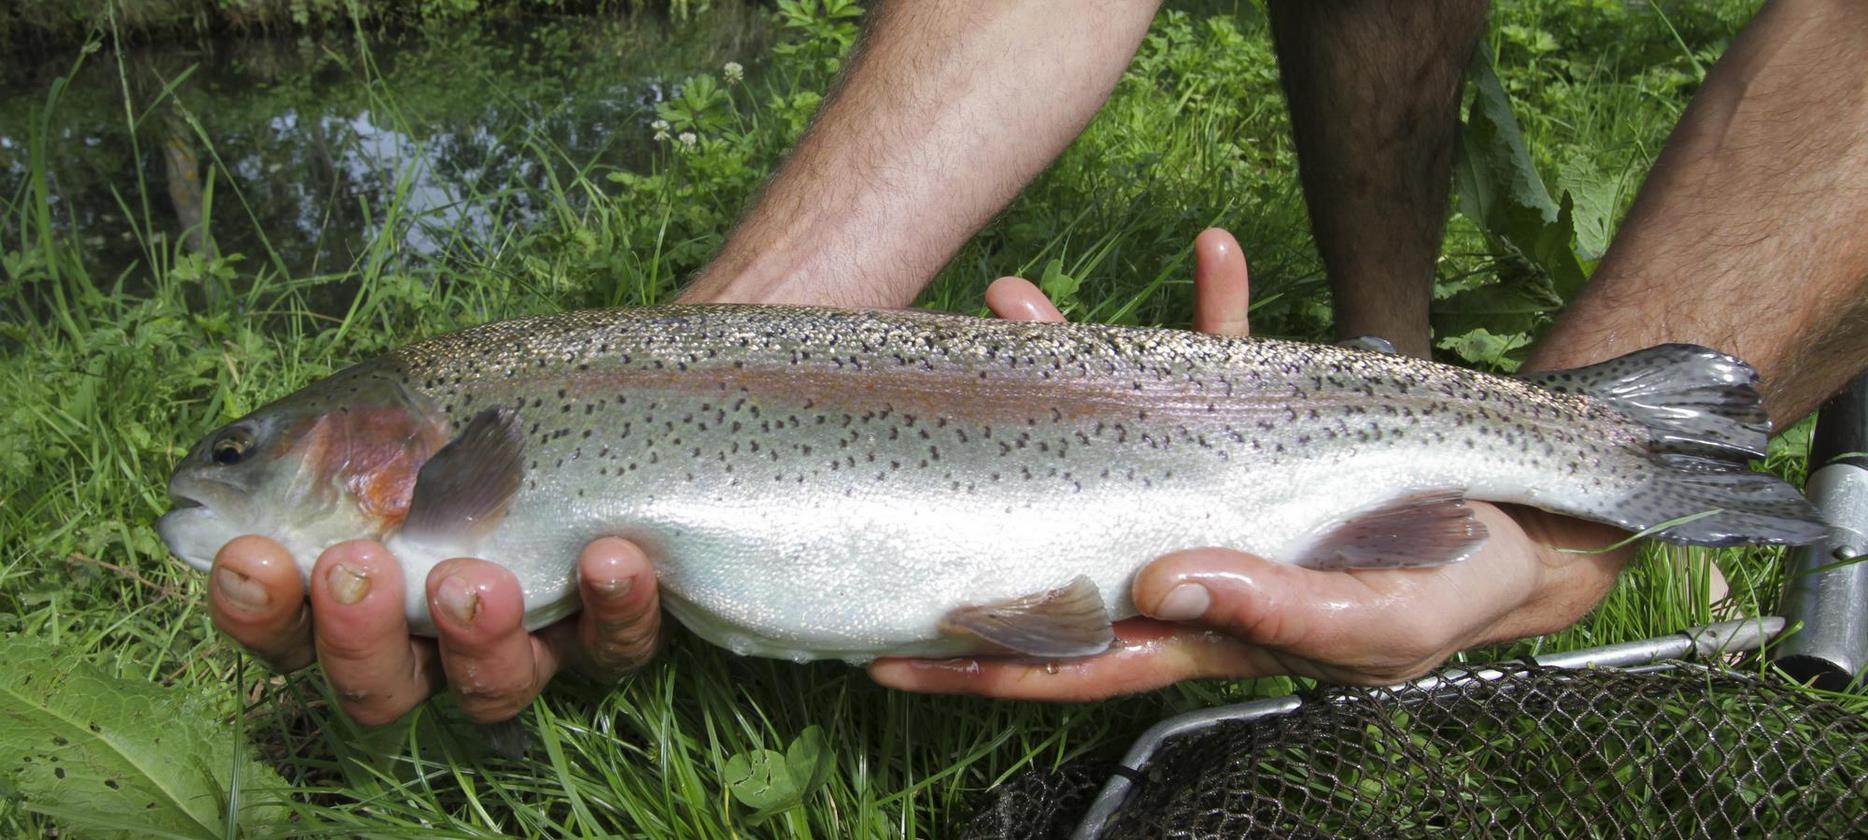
[819, 483]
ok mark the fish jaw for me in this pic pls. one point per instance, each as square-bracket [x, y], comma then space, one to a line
[195, 534]
[196, 529]
[205, 514]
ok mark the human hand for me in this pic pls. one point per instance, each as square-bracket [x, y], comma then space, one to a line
[355, 625]
[1212, 612]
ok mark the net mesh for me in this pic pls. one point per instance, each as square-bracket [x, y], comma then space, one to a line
[1683, 752]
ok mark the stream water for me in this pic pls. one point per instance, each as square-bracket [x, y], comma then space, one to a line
[306, 152]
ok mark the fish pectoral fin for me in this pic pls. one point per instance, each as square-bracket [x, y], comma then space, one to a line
[464, 490]
[1068, 621]
[1424, 529]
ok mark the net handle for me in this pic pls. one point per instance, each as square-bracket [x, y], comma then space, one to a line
[1827, 587]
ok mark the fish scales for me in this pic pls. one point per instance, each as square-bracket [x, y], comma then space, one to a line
[822, 483]
[990, 422]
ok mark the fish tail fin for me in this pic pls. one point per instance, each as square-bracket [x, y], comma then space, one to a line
[1705, 422]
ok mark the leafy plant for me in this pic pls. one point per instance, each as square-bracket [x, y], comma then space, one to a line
[1532, 238]
[824, 31]
[121, 757]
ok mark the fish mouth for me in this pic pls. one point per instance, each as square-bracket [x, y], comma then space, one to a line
[193, 533]
[188, 491]
[196, 526]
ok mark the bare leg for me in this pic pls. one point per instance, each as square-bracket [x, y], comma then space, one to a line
[1374, 91]
[1747, 236]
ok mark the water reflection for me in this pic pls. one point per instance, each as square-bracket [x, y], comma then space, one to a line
[310, 156]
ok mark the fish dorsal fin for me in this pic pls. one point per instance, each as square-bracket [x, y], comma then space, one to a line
[462, 492]
[1371, 343]
[1067, 621]
[1425, 529]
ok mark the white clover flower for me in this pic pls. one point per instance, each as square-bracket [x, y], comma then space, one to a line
[733, 72]
[688, 139]
[659, 125]
[661, 136]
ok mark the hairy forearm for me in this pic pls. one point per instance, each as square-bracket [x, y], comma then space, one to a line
[1749, 233]
[947, 110]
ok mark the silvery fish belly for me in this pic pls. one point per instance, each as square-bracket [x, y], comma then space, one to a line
[821, 483]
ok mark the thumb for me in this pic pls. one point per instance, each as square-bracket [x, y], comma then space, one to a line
[1273, 605]
[1016, 299]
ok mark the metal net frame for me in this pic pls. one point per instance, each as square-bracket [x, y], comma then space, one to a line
[1671, 749]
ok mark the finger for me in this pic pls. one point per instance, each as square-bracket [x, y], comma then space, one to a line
[1016, 299]
[494, 666]
[1221, 284]
[361, 632]
[620, 627]
[1148, 655]
[257, 597]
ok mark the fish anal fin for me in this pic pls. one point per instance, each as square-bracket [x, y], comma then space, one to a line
[462, 493]
[1424, 529]
[1068, 621]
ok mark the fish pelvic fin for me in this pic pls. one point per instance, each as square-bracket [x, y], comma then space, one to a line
[1067, 621]
[462, 493]
[1705, 423]
[1423, 529]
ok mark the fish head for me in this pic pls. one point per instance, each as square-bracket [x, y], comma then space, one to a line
[335, 461]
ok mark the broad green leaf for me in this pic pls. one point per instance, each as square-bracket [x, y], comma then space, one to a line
[1501, 192]
[1483, 347]
[760, 780]
[1511, 305]
[1499, 187]
[114, 757]
[771, 782]
[810, 760]
[1594, 196]
[1554, 251]
[1508, 298]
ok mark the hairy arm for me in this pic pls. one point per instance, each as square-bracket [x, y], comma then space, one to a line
[947, 110]
[1747, 236]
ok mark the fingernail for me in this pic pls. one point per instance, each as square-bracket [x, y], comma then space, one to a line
[241, 591]
[1185, 602]
[458, 599]
[346, 584]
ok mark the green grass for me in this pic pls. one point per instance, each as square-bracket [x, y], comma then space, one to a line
[108, 378]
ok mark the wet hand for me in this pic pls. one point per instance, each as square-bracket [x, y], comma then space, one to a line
[354, 624]
[1212, 612]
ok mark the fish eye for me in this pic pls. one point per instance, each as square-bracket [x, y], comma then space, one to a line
[231, 447]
